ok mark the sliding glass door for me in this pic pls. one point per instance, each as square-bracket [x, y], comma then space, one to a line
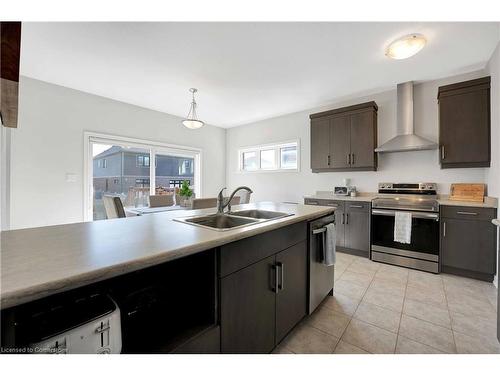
[132, 170]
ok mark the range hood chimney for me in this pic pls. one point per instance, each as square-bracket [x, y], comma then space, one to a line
[406, 139]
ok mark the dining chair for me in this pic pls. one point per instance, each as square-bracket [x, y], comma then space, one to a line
[199, 203]
[161, 200]
[113, 206]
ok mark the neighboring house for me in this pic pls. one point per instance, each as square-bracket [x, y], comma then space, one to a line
[116, 170]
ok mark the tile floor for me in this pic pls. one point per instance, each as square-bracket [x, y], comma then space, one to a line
[378, 308]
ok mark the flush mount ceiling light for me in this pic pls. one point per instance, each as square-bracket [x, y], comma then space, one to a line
[406, 46]
[191, 121]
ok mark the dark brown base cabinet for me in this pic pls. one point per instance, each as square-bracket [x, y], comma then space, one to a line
[265, 298]
[468, 242]
[464, 124]
[352, 221]
[344, 139]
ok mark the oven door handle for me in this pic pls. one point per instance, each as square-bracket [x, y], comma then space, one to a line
[417, 215]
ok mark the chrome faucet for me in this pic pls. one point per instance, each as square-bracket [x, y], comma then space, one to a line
[226, 202]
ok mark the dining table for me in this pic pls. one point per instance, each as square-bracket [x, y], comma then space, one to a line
[139, 211]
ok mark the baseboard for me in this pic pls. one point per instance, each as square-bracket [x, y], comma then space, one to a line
[466, 273]
[360, 253]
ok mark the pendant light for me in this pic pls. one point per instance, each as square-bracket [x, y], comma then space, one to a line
[191, 121]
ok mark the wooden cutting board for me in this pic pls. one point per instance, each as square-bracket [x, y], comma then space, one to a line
[467, 192]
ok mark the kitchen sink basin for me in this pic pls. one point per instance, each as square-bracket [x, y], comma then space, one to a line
[260, 214]
[219, 222]
[233, 220]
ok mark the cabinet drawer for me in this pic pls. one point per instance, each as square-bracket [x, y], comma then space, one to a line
[237, 255]
[324, 202]
[465, 212]
[357, 206]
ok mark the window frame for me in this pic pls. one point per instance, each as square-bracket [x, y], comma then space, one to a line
[277, 157]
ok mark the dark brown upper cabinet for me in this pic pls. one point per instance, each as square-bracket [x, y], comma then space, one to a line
[344, 139]
[10, 52]
[464, 124]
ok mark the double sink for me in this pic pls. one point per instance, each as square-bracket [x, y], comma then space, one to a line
[233, 220]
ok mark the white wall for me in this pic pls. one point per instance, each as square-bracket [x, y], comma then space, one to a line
[49, 143]
[402, 167]
[493, 173]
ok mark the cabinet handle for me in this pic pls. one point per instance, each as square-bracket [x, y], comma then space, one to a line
[312, 202]
[442, 152]
[353, 159]
[466, 213]
[444, 229]
[281, 284]
[328, 159]
[343, 218]
[349, 159]
[276, 282]
[355, 206]
[346, 219]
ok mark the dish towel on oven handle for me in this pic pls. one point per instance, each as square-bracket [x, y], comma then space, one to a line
[330, 245]
[402, 227]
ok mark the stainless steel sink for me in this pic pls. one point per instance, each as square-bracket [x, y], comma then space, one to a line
[233, 220]
[260, 214]
[219, 222]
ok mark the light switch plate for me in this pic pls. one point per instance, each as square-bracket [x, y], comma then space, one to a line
[70, 177]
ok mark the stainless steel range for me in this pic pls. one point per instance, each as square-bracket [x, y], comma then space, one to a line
[420, 200]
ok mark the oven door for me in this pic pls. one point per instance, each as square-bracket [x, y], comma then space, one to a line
[424, 235]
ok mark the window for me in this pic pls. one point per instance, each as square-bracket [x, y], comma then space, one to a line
[142, 161]
[250, 161]
[133, 169]
[273, 157]
[102, 163]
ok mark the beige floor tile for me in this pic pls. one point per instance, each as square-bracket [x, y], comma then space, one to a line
[475, 345]
[329, 321]
[388, 272]
[281, 349]
[467, 304]
[424, 279]
[473, 325]
[340, 303]
[346, 348]
[306, 339]
[429, 313]
[349, 289]
[431, 296]
[388, 286]
[407, 346]
[370, 338]
[357, 278]
[378, 316]
[364, 267]
[427, 333]
[383, 299]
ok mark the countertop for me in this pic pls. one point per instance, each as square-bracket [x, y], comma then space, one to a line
[38, 262]
[489, 202]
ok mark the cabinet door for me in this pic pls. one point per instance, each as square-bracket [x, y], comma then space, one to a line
[469, 245]
[291, 300]
[248, 307]
[320, 143]
[339, 142]
[357, 226]
[464, 129]
[362, 140]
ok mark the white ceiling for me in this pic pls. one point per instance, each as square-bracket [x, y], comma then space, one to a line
[244, 71]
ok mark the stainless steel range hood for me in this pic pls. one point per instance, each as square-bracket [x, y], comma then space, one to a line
[406, 139]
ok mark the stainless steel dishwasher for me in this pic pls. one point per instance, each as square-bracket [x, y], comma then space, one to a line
[321, 277]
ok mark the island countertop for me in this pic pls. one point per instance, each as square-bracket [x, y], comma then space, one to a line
[39, 262]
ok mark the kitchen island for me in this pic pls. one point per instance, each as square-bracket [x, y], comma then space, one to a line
[110, 256]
